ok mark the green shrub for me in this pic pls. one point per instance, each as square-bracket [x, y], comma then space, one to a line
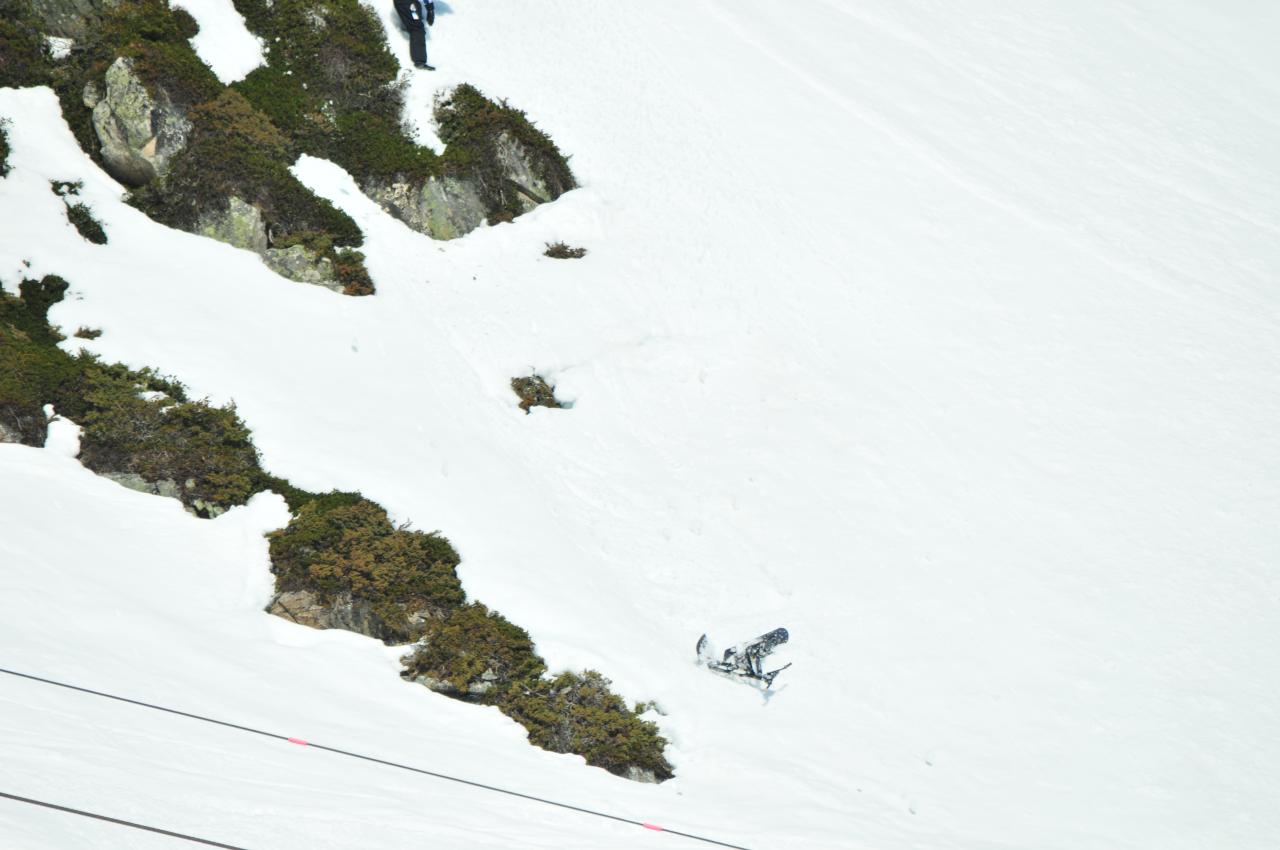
[561, 251]
[331, 85]
[471, 126]
[475, 652]
[235, 150]
[204, 449]
[577, 713]
[351, 272]
[81, 217]
[24, 54]
[336, 546]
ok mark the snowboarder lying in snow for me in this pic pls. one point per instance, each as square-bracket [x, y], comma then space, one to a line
[746, 660]
[413, 18]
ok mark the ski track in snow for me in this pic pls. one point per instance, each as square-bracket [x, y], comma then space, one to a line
[944, 336]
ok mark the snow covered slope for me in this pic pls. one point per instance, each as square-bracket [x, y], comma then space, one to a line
[943, 335]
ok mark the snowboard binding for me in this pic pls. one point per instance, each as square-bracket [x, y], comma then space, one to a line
[745, 662]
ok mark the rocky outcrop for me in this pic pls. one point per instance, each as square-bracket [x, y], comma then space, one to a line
[169, 488]
[23, 424]
[485, 683]
[518, 168]
[70, 18]
[139, 132]
[442, 208]
[241, 225]
[342, 612]
[297, 263]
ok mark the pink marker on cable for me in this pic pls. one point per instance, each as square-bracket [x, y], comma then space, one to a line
[653, 826]
[298, 741]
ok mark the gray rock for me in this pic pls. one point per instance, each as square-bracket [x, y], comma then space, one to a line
[139, 133]
[297, 263]
[23, 424]
[164, 487]
[240, 224]
[636, 774]
[442, 208]
[342, 612]
[518, 168]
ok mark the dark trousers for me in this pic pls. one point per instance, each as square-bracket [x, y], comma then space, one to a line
[413, 18]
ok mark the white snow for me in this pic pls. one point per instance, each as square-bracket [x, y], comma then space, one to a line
[224, 43]
[943, 335]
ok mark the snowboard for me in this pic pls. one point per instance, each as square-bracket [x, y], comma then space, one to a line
[726, 667]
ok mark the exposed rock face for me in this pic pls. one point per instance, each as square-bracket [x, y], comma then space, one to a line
[166, 487]
[343, 612]
[441, 208]
[297, 263]
[241, 225]
[517, 167]
[70, 18]
[26, 425]
[476, 688]
[139, 133]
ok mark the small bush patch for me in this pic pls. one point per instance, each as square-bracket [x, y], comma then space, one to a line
[474, 127]
[474, 652]
[87, 333]
[534, 391]
[4, 148]
[561, 251]
[81, 217]
[24, 53]
[577, 713]
[336, 546]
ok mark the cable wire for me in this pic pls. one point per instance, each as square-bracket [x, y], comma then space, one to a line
[349, 754]
[127, 823]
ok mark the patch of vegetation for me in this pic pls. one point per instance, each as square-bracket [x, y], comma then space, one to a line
[349, 266]
[134, 421]
[337, 546]
[577, 713]
[204, 449]
[83, 332]
[476, 653]
[79, 214]
[331, 86]
[235, 150]
[4, 148]
[24, 53]
[561, 251]
[473, 127]
[81, 217]
[534, 391]
[154, 37]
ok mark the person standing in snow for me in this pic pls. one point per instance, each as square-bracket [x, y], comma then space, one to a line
[416, 21]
